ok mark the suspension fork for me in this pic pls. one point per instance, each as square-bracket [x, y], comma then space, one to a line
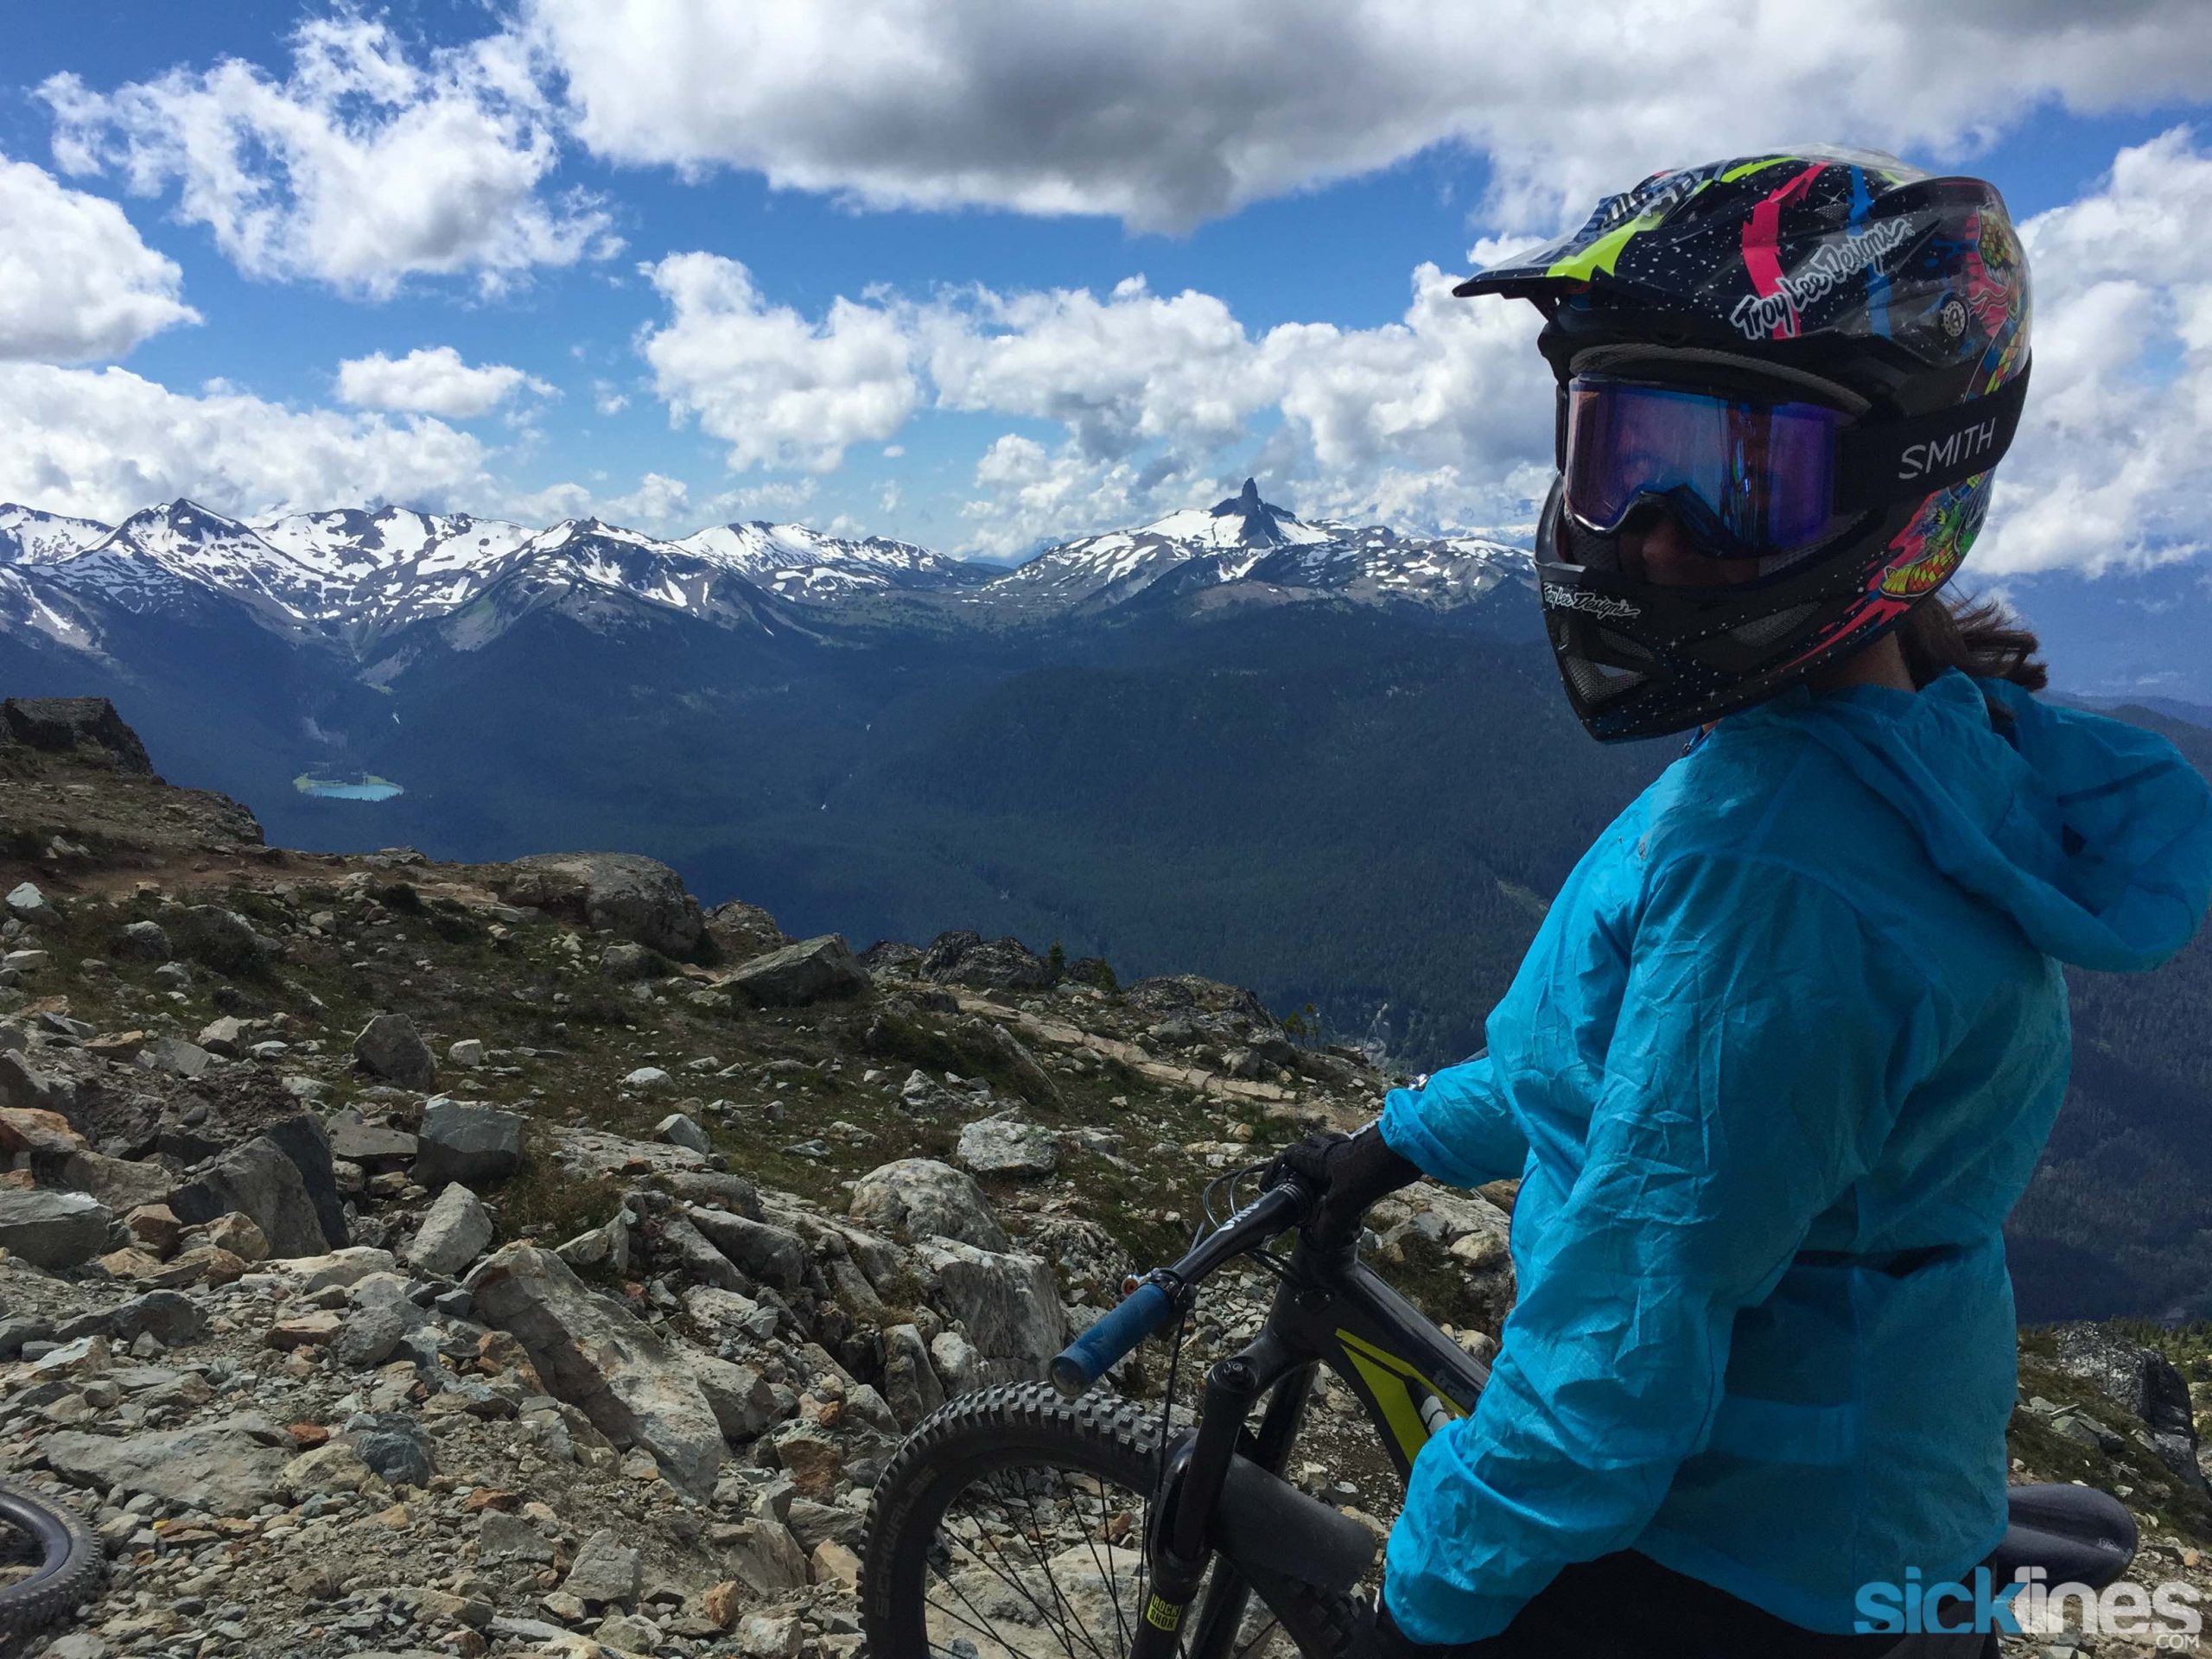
[1178, 1544]
[1222, 1613]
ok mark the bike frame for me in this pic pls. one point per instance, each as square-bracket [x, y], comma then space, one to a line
[1330, 1309]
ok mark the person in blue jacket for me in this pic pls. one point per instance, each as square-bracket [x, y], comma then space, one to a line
[1789, 1041]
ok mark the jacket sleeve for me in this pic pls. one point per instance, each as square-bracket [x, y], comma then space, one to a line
[1764, 1044]
[1456, 1126]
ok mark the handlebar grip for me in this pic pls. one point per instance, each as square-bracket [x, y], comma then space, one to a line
[1099, 1350]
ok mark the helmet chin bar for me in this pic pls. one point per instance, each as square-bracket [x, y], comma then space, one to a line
[1642, 660]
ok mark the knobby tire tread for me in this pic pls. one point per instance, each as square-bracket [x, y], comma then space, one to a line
[71, 1567]
[976, 1428]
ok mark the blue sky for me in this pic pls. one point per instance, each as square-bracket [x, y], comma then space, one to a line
[962, 401]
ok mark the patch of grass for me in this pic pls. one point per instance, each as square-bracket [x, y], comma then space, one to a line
[547, 1202]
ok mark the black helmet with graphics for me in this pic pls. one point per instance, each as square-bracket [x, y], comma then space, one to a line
[1812, 360]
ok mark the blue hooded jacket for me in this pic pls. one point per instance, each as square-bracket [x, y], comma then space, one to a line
[1776, 1067]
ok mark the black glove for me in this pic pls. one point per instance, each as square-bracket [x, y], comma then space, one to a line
[1348, 1172]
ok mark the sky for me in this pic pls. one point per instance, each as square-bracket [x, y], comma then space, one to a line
[983, 274]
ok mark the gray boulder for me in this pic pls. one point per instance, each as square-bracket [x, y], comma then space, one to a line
[639, 899]
[219, 938]
[370, 1144]
[813, 971]
[743, 1403]
[301, 1138]
[26, 901]
[260, 1181]
[121, 1184]
[140, 941]
[606, 1570]
[601, 1358]
[389, 1048]
[967, 958]
[465, 1142]
[454, 1230]
[910, 1385]
[1009, 1306]
[23, 1088]
[230, 1466]
[765, 1251]
[173, 1054]
[919, 1197]
[679, 1130]
[369, 1335]
[1006, 1146]
[740, 931]
[52, 1230]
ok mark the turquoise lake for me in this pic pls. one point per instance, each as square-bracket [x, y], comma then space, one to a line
[331, 789]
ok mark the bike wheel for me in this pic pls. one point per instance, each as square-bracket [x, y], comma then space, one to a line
[1009, 1526]
[63, 1558]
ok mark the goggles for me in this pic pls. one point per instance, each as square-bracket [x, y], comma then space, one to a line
[1746, 476]
[1750, 477]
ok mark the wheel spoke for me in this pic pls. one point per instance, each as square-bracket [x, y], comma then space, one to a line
[1013, 1581]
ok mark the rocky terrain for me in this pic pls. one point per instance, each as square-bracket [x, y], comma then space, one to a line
[413, 1258]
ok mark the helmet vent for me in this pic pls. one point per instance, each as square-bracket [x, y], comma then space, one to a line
[1622, 647]
[1594, 683]
[1763, 631]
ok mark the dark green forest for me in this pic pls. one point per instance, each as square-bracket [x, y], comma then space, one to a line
[1359, 811]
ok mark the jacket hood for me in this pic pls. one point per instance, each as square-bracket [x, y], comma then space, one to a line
[2094, 835]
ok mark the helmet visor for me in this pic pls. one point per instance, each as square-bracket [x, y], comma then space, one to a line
[1748, 476]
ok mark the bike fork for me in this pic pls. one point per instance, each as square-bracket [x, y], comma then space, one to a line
[1189, 1492]
[1214, 1634]
[1189, 1488]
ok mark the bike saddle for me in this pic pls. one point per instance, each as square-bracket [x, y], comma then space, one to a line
[2076, 1533]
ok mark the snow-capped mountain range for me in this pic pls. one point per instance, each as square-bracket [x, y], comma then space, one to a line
[353, 578]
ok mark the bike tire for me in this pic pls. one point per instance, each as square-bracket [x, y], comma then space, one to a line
[72, 1559]
[1030, 1425]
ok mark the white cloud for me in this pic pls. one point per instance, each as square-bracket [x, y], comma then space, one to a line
[655, 505]
[362, 168]
[779, 391]
[106, 442]
[782, 499]
[432, 381]
[76, 282]
[1167, 112]
[2113, 460]
[1118, 372]
[606, 399]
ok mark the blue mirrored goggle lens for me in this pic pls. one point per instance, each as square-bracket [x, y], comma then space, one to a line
[1764, 472]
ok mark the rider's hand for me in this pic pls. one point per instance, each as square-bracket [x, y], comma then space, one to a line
[1347, 1172]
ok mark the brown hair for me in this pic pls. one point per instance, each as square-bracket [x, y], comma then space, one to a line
[1981, 636]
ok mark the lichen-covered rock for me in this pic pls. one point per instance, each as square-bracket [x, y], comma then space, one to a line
[1008, 1147]
[813, 971]
[602, 1360]
[639, 899]
[967, 958]
[1007, 1304]
[454, 1230]
[915, 1198]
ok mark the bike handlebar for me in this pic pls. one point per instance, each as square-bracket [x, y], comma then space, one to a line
[1150, 1306]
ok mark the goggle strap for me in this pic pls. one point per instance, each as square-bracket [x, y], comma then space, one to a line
[1885, 461]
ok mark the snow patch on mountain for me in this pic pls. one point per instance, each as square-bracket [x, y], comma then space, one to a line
[1246, 539]
[27, 534]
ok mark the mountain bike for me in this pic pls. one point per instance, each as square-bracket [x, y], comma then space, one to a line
[1031, 1520]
